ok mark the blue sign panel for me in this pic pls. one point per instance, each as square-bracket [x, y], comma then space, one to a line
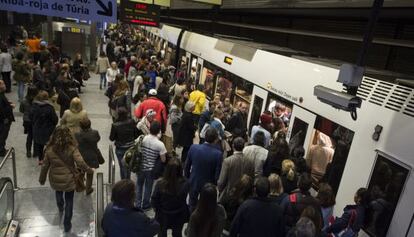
[94, 10]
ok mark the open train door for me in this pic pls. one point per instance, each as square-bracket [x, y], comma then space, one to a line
[300, 128]
[257, 106]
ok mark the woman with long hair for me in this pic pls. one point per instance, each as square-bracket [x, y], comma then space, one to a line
[277, 193]
[61, 158]
[208, 219]
[102, 65]
[237, 195]
[326, 198]
[169, 199]
[78, 68]
[72, 117]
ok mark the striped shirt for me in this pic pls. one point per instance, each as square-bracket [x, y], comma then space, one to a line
[152, 148]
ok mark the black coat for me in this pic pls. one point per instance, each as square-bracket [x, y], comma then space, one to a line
[44, 120]
[237, 125]
[64, 99]
[124, 133]
[171, 209]
[128, 222]
[88, 146]
[6, 111]
[258, 217]
[273, 164]
[187, 130]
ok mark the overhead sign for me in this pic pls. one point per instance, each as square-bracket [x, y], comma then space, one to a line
[93, 10]
[228, 60]
[140, 13]
[215, 2]
[164, 3]
[72, 29]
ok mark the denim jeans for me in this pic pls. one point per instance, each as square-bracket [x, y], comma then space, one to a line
[125, 173]
[103, 80]
[38, 150]
[144, 185]
[20, 90]
[65, 204]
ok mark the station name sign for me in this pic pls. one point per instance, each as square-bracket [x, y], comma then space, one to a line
[140, 13]
[92, 10]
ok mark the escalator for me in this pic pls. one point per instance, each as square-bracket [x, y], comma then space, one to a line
[8, 226]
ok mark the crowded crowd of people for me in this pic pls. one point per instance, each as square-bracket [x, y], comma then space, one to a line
[194, 158]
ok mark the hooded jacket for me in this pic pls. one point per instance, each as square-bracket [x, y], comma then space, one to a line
[199, 98]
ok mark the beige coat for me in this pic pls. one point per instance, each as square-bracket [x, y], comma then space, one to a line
[61, 177]
[71, 120]
[102, 64]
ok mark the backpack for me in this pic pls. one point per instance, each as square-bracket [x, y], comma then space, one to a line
[133, 158]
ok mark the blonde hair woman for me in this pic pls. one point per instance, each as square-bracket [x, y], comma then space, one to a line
[276, 188]
[72, 116]
[289, 176]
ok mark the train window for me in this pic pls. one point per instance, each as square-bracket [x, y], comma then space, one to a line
[386, 185]
[328, 152]
[224, 87]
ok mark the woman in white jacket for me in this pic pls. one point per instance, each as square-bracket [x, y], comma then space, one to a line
[111, 73]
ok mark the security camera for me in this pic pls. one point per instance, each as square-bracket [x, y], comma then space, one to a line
[337, 99]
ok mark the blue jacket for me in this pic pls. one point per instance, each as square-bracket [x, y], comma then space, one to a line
[203, 165]
[120, 222]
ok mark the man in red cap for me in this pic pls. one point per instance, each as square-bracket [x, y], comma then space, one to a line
[265, 121]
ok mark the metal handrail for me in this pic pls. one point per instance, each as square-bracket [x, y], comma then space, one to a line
[100, 205]
[5, 183]
[111, 166]
[11, 154]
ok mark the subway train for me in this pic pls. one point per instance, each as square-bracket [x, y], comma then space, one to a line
[376, 150]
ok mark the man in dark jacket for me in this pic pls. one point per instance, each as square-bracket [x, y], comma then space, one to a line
[237, 123]
[295, 203]
[203, 165]
[44, 120]
[88, 147]
[6, 118]
[258, 216]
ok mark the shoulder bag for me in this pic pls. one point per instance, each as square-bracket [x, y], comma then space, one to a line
[78, 177]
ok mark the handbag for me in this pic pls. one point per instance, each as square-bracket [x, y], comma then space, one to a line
[101, 159]
[78, 177]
